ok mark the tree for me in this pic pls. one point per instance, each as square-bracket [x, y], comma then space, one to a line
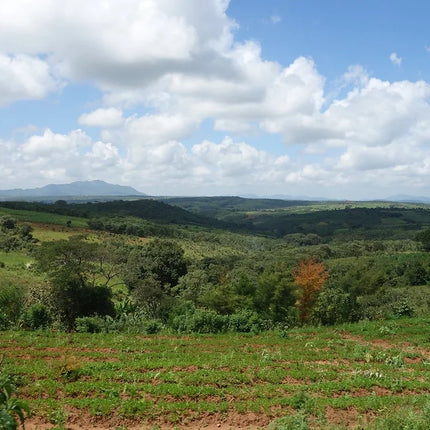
[79, 276]
[309, 277]
[151, 274]
[274, 296]
[424, 238]
[160, 260]
[7, 222]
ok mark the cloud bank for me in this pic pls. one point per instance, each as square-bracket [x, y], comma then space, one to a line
[166, 69]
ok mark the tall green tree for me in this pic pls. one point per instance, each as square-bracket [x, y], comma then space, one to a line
[152, 272]
[275, 293]
[79, 276]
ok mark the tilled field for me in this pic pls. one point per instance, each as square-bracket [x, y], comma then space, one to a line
[347, 377]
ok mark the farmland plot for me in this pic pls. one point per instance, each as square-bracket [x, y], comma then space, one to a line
[345, 377]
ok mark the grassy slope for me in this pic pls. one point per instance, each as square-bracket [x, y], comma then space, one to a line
[347, 375]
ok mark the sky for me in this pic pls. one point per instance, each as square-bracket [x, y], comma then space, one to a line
[242, 97]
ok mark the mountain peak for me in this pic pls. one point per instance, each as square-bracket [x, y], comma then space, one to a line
[74, 189]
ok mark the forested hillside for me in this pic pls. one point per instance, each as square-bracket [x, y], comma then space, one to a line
[255, 272]
[253, 269]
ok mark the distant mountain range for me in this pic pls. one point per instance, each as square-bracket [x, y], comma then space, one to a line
[408, 199]
[75, 189]
[399, 198]
[90, 190]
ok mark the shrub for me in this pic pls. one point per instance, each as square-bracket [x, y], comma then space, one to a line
[135, 323]
[245, 321]
[90, 324]
[37, 317]
[200, 321]
[333, 306]
[12, 300]
[403, 308]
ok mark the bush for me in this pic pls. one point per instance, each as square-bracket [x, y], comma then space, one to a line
[200, 321]
[90, 324]
[245, 321]
[37, 317]
[333, 306]
[12, 300]
[403, 308]
[135, 323]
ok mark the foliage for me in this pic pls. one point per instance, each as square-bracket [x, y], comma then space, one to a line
[424, 238]
[404, 419]
[14, 236]
[403, 308]
[245, 321]
[200, 321]
[79, 278]
[334, 306]
[275, 294]
[296, 421]
[152, 272]
[89, 324]
[12, 409]
[12, 302]
[309, 276]
[377, 268]
[37, 317]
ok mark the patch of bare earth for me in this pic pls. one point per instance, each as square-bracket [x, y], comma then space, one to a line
[347, 418]
[77, 420]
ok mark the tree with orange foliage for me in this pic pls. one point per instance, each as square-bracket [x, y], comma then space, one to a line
[309, 276]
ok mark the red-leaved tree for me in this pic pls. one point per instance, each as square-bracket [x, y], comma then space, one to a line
[309, 276]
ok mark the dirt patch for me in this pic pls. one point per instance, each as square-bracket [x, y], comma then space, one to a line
[77, 420]
[348, 418]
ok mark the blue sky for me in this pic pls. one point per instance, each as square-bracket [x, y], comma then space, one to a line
[316, 98]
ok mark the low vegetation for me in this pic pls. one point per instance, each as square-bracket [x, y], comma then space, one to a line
[254, 287]
[352, 376]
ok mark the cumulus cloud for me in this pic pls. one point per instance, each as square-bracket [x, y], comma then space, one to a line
[180, 63]
[24, 78]
[118, 45]
[395, 59]
[109, 117]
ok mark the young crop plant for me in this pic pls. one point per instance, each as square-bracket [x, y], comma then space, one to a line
[12, 409]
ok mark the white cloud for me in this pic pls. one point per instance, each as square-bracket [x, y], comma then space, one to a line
[179, 62]
[119, 45]
[275, 19]
[395, 59]
[23, 77]
[109, 117]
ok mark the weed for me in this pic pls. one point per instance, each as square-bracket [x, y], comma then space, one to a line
[58, 417]
[297, 421]
[303, 401]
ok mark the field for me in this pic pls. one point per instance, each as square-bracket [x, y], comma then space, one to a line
[231, 350]
[345, 377]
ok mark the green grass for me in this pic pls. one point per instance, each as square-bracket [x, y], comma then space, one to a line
[44, 217]
[365, 370]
